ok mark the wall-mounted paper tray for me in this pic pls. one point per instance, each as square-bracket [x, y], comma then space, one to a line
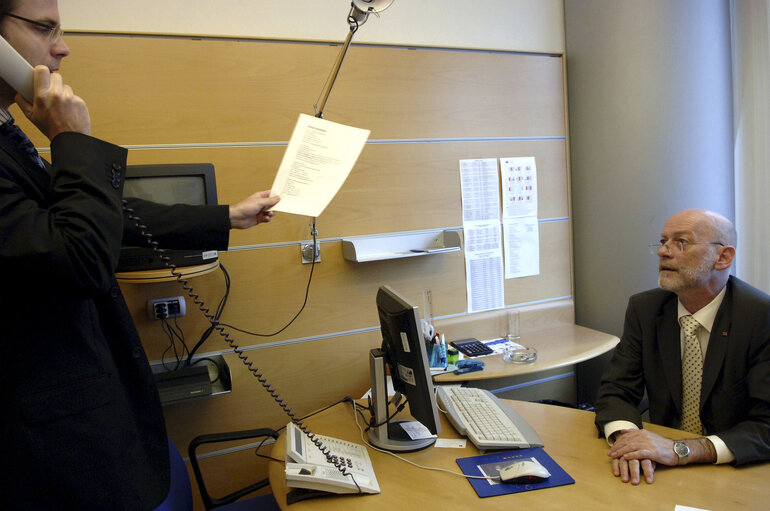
[378, 248]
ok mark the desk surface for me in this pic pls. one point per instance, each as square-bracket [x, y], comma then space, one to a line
[570, 439]
[556, 347]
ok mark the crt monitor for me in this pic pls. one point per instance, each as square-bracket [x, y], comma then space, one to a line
[181, 183]
[403, 352]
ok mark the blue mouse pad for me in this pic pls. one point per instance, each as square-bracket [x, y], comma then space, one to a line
[490, 465]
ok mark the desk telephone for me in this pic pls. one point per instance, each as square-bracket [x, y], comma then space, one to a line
[307, 467]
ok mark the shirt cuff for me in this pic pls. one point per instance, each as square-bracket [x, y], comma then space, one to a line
[614, 426]
[724, 454]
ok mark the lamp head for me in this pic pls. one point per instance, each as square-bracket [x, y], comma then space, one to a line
[360, 9]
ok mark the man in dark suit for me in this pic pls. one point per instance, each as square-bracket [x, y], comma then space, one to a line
[81, 425]
[730, 347]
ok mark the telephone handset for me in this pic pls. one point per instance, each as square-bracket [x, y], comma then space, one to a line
[307, 467]
[16, 71]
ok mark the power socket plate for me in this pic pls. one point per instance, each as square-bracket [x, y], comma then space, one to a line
[165, 308]
[306, 251]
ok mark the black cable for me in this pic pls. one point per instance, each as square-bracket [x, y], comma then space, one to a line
[174, 333]
[304, 303]
[256, 452]
[217, 314]
[388, 418]
[211, 328]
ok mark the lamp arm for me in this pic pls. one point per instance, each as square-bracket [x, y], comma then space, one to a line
[319, 107]
[359, 13]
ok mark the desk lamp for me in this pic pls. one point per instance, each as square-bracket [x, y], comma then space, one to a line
[359, 13]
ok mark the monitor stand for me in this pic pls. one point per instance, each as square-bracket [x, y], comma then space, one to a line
[389, 435]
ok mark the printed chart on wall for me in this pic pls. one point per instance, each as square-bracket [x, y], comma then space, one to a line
[483, 239]
[521, 239]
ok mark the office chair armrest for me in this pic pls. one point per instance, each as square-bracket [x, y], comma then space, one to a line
[230, 435]
[208, 501]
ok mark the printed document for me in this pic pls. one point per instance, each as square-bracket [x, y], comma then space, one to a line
[521, 238]
[316, 163]
[483, 237]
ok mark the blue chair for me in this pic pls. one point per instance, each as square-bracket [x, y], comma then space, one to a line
[180, 493]
[179, 496]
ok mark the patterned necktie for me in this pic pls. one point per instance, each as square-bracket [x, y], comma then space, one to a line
[692, 374]
[12, 132]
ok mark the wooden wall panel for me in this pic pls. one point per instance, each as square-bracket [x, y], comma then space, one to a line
[268, 286]
[307, 376]
[392, 188]
[154, 90]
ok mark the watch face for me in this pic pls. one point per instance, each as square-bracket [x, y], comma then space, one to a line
[681, 449]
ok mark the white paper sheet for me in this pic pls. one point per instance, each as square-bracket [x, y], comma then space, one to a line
[480, 191]
[521, 237]
[484, 278]
[519, 178]
[484, 266]
[483, 235]
[316, 163]
[522, 247]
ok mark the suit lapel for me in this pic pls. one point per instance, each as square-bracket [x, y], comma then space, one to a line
[41, 178]
[669, 345]
[717, 348]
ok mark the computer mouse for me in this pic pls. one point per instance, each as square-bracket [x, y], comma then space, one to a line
[524, 471]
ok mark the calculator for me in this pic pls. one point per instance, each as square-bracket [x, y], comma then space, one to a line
[472, 347]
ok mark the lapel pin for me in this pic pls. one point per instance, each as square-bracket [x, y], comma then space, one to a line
[724, 333]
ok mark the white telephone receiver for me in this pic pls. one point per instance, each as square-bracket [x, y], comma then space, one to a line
[16, 71]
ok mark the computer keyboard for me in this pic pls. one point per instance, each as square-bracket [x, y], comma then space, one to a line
[486, 420]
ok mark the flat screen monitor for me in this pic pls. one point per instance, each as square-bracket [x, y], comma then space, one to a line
[403, 352]
[182, 183]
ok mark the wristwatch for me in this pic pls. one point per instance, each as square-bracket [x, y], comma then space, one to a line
[682, 450]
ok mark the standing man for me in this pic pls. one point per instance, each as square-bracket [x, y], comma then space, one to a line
[700, 347]
[81, 426]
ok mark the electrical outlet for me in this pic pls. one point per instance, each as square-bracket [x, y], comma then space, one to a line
[306, 250]
[164, 308]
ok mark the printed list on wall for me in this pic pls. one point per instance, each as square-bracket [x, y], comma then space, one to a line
[486, 242]
[520, 229]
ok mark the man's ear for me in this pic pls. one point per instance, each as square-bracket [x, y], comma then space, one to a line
[725, 258]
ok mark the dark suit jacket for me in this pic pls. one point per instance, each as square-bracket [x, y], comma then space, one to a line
[81, 425]
[735, 396]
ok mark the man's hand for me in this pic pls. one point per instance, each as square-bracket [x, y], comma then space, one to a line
[637, 451]
[251, 211]
[56, 108]
[632, 470]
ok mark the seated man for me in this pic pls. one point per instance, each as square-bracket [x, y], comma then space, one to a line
[717, 384]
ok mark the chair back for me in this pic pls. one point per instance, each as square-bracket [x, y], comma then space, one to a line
[179, 496]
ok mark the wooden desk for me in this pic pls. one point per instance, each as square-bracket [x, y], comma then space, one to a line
[556, 347]
[165, 275]
[570, 439]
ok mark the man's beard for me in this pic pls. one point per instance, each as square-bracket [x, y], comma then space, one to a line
[686, 277]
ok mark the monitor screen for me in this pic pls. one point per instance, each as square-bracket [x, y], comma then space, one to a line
[180, 183]
[404, 353]
[167, 189]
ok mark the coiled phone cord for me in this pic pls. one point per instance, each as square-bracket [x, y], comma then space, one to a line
[145, 233]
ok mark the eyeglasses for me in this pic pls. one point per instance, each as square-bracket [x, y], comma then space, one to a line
[55, 32]
[679, 245]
